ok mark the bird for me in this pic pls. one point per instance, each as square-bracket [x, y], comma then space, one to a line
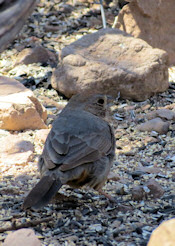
[79, 150]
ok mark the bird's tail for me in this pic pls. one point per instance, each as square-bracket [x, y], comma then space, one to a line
[42, 193]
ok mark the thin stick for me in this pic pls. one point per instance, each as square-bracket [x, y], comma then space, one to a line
[33, 223]
[103, 14]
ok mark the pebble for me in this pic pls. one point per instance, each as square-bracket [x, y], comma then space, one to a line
[95, 227]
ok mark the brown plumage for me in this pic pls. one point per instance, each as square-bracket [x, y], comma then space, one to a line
[79, 150]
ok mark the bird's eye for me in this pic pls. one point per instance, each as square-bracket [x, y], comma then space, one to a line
[100, 101]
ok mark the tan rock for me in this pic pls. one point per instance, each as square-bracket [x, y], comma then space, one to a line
[149, 21]
[163, 113]
[156, 124]
[15, 150]
[110, 61]
[35, 55]
[19, 108]
[22, 237]
[164, 234]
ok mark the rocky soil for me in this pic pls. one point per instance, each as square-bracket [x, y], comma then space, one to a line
[143, 175]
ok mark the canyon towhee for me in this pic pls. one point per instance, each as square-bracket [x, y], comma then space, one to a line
[78, 151]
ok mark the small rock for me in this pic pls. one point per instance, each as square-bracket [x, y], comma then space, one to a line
[156, 124]
[121, 189]
[66, 8]
[110, 61]
[15, 150]
[113, 176]
[137, 174]
[22, 237]
[163, 113]
[96, 227]
[19, 108]
[154, 134]
[137, 193]
[172, 158]
[78, 214]
[130, 153]
[155, 188]
[115, 224]
[173, 177]
[71, 238]
[35, 55]
[163, 235]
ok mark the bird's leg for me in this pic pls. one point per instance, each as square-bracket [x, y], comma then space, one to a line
[110, 198]
[102, 14]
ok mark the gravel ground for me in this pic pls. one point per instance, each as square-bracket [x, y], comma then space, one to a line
[83, 217]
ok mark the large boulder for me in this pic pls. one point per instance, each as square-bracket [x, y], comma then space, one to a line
[19, 108]
[153, 21]
[110, 61]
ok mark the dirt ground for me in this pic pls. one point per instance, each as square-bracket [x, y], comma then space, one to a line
[84, 217]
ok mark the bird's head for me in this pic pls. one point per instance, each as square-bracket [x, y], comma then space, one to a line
[93, 103]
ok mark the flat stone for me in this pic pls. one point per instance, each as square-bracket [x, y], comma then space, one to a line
[19, 108]
[15, 150]
[149, 21]
[156, 124]
[110, 61]
[22, 237]
[165, 114]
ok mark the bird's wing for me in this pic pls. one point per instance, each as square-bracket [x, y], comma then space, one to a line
[70, 150]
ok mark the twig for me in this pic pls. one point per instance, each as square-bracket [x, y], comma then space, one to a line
[25, 225]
